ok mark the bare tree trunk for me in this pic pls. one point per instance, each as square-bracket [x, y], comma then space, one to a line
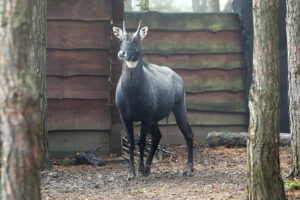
[213, 6]
[264, 179]
[293, 44]
[144, 5]
[1, 11]
[37, 61]
[196, 5]
[128, 5]
[19, 107]
[228, 7]
[203, 5]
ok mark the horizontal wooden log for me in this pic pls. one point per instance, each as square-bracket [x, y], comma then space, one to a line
[79, 9]
[198, 61]
[78, 62]
[116, 70]
[78, 35]
[223, 101]
[183, 21]
[171, 134]
[213, 80]
[210, 118]
[166, 43]
[238, 139]
[78, 87]
[71, 114]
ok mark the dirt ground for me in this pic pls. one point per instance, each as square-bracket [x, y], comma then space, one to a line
[220, 174]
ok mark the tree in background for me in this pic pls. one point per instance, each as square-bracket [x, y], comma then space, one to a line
[20, 118]
[264, 179]
[37, 61]
[213, 6]
[128, 5]
[199, 5]
[165, 6]
[227, 6]
[144, 5]
[196, 5]
[293, 44]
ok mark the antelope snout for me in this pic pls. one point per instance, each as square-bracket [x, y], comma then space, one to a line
[122, 55]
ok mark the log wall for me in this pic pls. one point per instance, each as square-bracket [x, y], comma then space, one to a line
[79, 59]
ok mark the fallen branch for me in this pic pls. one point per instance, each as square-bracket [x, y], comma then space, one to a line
[89, 157]
[160, 149]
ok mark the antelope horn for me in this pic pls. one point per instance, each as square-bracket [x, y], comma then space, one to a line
[124, 28]
[138, 28]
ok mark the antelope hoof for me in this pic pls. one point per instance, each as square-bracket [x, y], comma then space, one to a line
[190, 169]
[130, 175]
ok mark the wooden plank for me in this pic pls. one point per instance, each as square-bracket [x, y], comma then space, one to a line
[172, 134]
[223, 101]
[211, 118]
[166, 43]
[78, 35]
[116, 70]
[213, 80]
[198, 61]
[80, 62]
[78, 87]
[67, 143]
[183, 21]
[79, 9]
[117, 11]
[71, 114]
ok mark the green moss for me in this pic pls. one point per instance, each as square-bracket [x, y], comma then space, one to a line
[207, 65]
[291, 185]
[212, 119]
[46, 165]
[65, 162]
[217, 106]
[167, 47]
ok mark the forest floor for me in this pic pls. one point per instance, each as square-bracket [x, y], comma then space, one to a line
[220, 174]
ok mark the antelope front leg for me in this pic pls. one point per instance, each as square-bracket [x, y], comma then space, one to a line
[142, 143]
[130, 135]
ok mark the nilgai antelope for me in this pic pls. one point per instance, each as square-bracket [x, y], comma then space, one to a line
[148, 93]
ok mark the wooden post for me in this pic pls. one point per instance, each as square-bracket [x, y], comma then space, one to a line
[115, 72]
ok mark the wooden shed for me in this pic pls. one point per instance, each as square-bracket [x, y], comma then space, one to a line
[80, 60]
[82, 71]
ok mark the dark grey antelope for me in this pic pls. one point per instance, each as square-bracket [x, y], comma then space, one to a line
[148, 93]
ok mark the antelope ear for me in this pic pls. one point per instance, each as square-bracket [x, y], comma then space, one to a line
[143, 32]
[118, 32]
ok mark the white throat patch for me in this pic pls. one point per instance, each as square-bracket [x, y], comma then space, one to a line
[131, 64]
